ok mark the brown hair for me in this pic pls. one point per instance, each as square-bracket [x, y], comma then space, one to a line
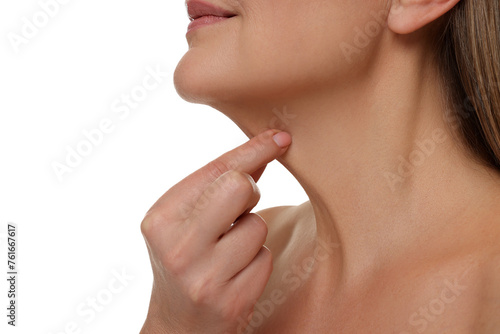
[469, 56]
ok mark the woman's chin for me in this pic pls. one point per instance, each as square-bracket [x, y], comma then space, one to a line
[194, 84]
[187, 86]
[199, 80]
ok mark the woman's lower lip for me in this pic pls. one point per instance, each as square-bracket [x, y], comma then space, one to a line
[204, 21]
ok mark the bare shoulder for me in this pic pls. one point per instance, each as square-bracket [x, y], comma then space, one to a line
[281, 217]
[270, 214]
[283, 222]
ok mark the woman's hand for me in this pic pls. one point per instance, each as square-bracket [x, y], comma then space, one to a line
[207, 273]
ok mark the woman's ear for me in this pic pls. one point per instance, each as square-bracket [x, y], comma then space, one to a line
[407, 16]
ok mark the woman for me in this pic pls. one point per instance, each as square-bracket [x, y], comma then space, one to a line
[393, 110]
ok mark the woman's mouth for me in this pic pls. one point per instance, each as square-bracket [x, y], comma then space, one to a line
[203, 13]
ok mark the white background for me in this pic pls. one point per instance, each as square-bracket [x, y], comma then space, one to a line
[77, 233]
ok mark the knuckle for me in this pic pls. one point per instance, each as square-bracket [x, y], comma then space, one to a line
[201, 291]
[239, 183]
[152, 223]
[175, 260]
[217, 167]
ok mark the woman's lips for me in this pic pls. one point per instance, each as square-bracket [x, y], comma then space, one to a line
[203, 13]
[205, 20]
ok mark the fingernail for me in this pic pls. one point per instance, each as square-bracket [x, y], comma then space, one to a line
[282, 139]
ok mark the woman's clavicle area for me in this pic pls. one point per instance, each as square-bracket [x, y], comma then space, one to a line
[441, 296]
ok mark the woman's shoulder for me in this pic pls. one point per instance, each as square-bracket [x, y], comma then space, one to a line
[278, 220]
[272, 214]
[283, 223]
[284, 217]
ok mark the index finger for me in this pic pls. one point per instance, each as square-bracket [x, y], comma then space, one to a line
[250, 157]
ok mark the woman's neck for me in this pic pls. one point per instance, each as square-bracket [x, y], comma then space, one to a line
[382, 165]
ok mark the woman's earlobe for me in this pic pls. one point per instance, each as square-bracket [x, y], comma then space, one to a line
[408, 16]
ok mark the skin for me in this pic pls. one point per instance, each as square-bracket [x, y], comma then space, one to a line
[401, 231]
